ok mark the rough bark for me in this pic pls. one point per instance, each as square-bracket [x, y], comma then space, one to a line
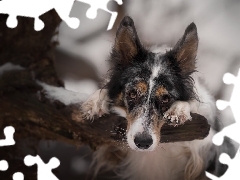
[33, 51]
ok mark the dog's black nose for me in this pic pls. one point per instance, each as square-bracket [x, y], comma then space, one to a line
[143, 140]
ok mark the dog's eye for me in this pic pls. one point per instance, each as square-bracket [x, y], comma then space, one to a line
[133, 95]
[165, 99]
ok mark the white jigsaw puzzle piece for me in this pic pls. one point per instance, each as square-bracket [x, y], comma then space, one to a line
[234, 102]
[3, 165]
[18, 176]
[231, 131]
[44, 170]
[233, 167]
[8, 132]
[100, 4]
[36, 8]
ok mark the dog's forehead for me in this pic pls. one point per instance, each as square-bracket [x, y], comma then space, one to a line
[148, 74]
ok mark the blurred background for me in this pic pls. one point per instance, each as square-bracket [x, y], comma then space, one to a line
[82, 53]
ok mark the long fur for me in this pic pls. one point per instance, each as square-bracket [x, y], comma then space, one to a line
[144, 86]
[171, 161]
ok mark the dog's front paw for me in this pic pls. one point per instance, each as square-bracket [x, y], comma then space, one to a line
[97, 105]
[178, 113]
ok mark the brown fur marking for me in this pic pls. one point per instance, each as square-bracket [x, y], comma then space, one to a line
[130, 120]
[142, 87]
[119, 100]
[157, 125]
[187, 53]
[160, 91]
[125, 44]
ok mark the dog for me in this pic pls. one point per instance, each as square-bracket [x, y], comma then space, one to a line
[149, 89]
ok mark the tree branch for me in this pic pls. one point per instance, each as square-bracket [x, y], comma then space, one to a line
[28, 107]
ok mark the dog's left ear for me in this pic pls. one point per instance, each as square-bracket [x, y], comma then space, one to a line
[185, 50]
[127, 44]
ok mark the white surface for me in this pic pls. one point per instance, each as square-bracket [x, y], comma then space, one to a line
[36, 8]
[3, 165]
[18, 176]
[8, 141]
[101, 4]
[44, 171]
[231, 131]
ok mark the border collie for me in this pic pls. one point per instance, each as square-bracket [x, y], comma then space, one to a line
[149, 89]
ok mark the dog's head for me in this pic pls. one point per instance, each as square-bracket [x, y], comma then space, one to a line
[145, 84]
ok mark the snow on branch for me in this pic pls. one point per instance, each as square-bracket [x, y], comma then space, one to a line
[65, 96]
[9, 67]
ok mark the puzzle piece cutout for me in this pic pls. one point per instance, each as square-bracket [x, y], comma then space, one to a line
[18, 176]
[231, 131]
[89, 29]
[8, 132]
[101, 4]
[8, 141]
[3, 165]
[44, 170]
[233, 164]
[36, 8]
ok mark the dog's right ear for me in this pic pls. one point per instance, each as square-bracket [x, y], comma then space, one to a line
[127, 44]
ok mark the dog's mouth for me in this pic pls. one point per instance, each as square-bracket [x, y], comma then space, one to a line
[142, 132]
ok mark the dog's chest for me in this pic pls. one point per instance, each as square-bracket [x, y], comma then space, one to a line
[166, 162]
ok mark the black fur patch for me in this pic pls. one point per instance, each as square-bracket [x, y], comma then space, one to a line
[127, 71]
